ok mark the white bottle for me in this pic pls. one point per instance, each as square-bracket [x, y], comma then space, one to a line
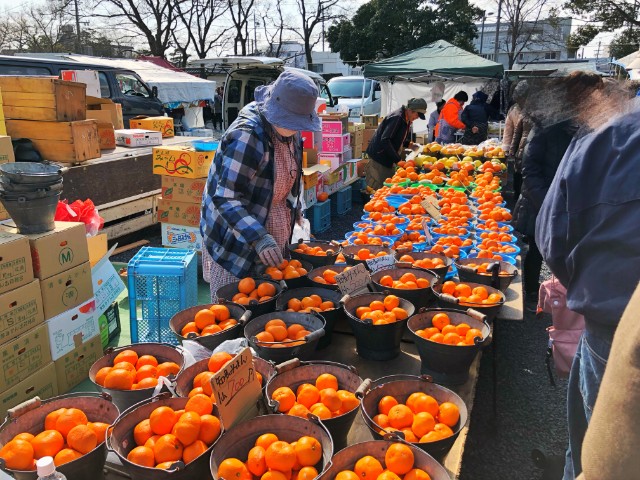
[47, 470]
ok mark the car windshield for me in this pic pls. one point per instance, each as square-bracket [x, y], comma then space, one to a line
[343, 88]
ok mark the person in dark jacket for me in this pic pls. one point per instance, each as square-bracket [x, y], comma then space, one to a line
[588, 230]
[433, 119]
[475, 117]
[517, 127]
[390, 138]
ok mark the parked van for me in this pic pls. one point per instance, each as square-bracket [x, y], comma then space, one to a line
[242, 75]
[119, 85]
[360, 95]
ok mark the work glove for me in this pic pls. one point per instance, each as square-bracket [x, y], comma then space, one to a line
[269, 252]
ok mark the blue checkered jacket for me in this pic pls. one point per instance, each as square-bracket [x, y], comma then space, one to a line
[237, 199]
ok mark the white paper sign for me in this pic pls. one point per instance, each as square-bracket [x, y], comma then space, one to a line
[427, 232]
[378, 263]
[431, 210]
[353, 280]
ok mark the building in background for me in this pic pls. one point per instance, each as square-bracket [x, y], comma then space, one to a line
[544, 40]
[329, 64]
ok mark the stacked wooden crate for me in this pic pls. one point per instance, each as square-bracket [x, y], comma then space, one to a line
[51, 113]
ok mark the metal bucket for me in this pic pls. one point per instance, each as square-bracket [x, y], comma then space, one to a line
[294, 373]
[470, 274]
[32, 172]
[238, 312]
[121, 442]
[291, 282]
[226, 292]
[449, 301]
[127, 398]
[29, 417]
[237, 442]
[346, 459]
[312, 322]
[330, 316]
[32, 215]
[448, 364]
[419, 297]
[351, 253]
[400, 387]
[375, 342]
[441, 272]
[184, 380]
[316, 261]
[317, 272]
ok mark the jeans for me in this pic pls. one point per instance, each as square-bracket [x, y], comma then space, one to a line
[584, 382]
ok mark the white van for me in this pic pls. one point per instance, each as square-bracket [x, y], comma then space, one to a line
[360, 95]
[242, 75]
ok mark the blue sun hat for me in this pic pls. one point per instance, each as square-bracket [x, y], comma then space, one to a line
[290, 102]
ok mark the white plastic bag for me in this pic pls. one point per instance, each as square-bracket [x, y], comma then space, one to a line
[301, 231]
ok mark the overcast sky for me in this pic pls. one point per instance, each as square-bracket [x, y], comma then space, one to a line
[10, 6]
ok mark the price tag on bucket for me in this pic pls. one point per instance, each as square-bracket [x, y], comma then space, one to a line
[354, 280]
[431, 210]
[427, 232]
[236, 389]
[378, 263]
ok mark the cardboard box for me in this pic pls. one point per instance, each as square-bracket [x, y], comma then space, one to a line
[180, 236]
[332, 188]
[310, 175]
[23, 356]
[335, 143]
[330, 123]
[310, 197]
[349, 171]
[6, 149]
[311, 139]
[88, 77]
[72, 327]
[66, 290]
[43, 99]
[73, 368]
[356, 138]
[4, 215]
[58, 250]
[355, 127]
[370, 121]
[16, 266]
[333, 160]
[309, 157]
[42, 384]
[163, 125]
[188, 190]
[114, 110]
[20, 310]
[179, 213]
[65, 142]
[109, 323]
[181, 161]
[106, 136]
[107, 284]
[356, 151]
[102, 116]
[138, 138]
[366, 137]
[97, 246]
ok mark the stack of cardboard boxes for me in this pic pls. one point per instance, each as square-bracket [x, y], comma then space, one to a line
[356, 129]
[109, 118]
[335, 146]
[145, 131]
[52, 114]
[184, 177]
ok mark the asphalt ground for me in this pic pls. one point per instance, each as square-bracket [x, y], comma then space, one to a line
[530, 412]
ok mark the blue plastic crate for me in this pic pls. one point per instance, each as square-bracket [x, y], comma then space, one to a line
[320, 216]
[162, 282]
[341, 201]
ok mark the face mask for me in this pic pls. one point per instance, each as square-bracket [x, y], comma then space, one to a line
[285, 132]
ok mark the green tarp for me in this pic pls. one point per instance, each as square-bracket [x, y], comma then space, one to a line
[436, 59]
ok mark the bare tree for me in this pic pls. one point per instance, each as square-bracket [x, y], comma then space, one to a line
[313, 13]
[522, 17]
[198, 18]
[240, 11]
[155, 19]
[274, 26]
[44, 28]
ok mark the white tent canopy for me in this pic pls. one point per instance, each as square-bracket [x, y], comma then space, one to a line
[173, 86]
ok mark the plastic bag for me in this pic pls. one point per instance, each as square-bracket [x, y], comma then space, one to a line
[301, 231]
[79, 211]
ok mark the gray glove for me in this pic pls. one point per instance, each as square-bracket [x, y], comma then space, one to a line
[269, 252]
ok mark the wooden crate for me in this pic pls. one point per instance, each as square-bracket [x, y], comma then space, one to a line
[43, 99]
[107, 135]
[65, 142]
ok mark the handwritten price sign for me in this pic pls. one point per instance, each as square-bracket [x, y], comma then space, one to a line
[354, 280]
[431, 210]
[427, 232]
[236, 389]
[378, 263]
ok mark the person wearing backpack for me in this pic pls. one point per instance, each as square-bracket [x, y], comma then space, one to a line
[587, 231]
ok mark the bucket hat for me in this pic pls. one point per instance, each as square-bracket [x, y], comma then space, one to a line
[290, 102]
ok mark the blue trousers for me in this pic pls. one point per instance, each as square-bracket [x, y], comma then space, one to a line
[584, 382]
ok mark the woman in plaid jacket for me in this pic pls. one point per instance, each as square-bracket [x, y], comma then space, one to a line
[252, 198]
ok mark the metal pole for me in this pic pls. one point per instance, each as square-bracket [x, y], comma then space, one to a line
[78, 41]
[482, 32]
[255, 33]
[323, 31]
[495, 48]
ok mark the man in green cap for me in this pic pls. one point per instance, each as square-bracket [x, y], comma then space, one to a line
[390, 138]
